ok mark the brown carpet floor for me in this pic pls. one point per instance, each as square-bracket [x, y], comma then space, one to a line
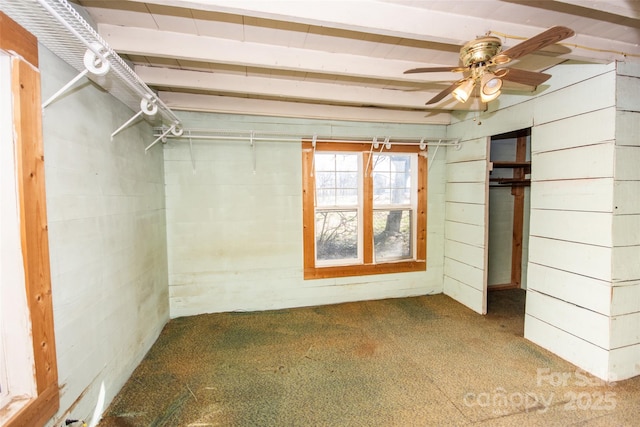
[423, 361]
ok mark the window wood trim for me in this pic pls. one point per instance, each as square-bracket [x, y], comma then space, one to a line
[33, 220]
[368, 267]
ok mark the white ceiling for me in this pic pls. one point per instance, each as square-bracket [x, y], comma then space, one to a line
[342, 58]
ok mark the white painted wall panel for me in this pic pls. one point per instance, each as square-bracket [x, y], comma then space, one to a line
[628, 128]
[581, 322]
[592, 228]
[585, 355]
[465, 233]
[626, 200]
[588, 260]
[462, 272]
[628, 93]
[625, 330]
[471, 171]
[628, 68]
[466, 184]
[575, 131]
[468, 254]
[591, 161]
[592, 294]
[625, 298]
[627, 163]
[595, 195]
[626, 263]
[464, 294]
[584, 99]
[467, 213]
[235, 236]
[107, 238]
[623, 362]
[467, 192]
[575, 125]
[470, 149]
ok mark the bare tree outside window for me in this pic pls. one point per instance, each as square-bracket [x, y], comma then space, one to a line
[337, 204]
[392, 203]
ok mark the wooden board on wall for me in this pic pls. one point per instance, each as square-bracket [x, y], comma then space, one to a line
[587, 260]
[595, 195]
[576, 131]
[592, 294]
[466, 243]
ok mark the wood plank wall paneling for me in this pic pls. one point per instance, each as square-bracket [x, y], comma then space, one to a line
[583, 99]
[580, 352]
[590, 195]
[585, 162]
[545, 137]
[592, 294]
[627, 128]
[589, 325]
[585, 229]
[572, 201]
[465, 255]
[625, 335]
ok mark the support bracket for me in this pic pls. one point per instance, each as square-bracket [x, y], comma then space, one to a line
[93, 63]
[148, 106]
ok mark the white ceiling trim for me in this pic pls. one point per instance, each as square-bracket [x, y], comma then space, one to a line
[376, 17]
[165, 44]
[270, 87]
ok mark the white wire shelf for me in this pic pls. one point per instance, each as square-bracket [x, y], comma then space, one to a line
[62, 30]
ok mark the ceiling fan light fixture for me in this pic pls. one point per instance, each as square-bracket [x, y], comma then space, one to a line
[490, 87]
[463, 91]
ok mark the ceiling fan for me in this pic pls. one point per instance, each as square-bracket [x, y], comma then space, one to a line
[482, 57]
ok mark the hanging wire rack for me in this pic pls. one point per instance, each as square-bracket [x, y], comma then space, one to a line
[62, 30]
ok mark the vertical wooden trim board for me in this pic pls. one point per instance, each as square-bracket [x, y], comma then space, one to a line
[33, 220]
[518, 213]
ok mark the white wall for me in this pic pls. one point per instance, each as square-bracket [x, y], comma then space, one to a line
[235, 236]
[465, 247]
[625, 305]
[105, 202]
[583, 244]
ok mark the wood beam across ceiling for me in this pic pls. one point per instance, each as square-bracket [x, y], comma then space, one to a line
[417, 23]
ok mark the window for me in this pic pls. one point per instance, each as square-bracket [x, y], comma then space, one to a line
[364, 209]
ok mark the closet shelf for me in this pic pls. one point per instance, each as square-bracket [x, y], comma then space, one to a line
[62, 29]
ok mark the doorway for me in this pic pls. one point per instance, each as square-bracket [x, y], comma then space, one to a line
[509, 201]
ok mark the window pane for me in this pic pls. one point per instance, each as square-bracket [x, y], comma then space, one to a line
[336, 235]
[325, 162]
[392, 179]
[325, 180]
[392, 234]
[347, 197]
[337, 180]
[326, 197]
[347, 162]
[347, 179]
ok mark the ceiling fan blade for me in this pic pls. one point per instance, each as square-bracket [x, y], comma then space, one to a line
[443, 94]
[435, 70]
[542, 40]
[530, 78]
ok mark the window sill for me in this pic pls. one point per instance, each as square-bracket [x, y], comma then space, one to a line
[364, 270]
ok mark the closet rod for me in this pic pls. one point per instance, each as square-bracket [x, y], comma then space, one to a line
[288, 137]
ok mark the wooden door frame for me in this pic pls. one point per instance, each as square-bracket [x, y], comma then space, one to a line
[27, 123]
[518, 182]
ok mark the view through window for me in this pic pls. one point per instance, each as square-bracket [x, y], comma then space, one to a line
[365, 210]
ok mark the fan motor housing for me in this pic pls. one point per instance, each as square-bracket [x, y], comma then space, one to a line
[481, 49]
